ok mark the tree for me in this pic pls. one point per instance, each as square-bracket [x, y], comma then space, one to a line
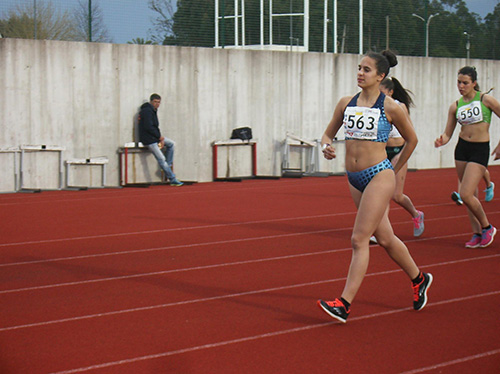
[95, 30]
[20, 23]
[163, 24]
[491, 33]
[384, 22]
[141, 41]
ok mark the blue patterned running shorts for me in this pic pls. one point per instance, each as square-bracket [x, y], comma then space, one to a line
[360, 179]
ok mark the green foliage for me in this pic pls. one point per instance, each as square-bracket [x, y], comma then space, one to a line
[385, 23]
[50, 24]
[490, 47]
[141, 41]
[53, 23]
[200, 32]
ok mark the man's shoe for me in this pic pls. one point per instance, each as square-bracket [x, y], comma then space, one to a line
[490, 192]
[420, 291]
[455, 196]
[488, 236]
[474, 242]
[176, 183]
[418, 224]
[335, 309]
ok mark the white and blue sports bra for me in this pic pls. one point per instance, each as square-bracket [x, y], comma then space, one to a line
[363, 123]
[394, 131]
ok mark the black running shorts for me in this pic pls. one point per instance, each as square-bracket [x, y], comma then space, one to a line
[472, 152]
[393, 151]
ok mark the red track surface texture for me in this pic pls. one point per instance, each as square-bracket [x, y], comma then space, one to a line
[224, 278]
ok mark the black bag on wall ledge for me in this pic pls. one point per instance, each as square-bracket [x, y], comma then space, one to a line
[243, 133]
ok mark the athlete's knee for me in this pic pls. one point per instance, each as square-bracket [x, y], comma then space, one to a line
[467, 197]
[360, 240]
[398, 198]
[385, 240]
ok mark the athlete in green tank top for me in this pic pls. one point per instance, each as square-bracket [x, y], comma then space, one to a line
[472, 151]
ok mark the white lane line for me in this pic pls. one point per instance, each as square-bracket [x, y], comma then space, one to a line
[231, 224]
[454, 362]
[204, 267]
[159, 306]
[147, 232]
[257, 337]
[163, 272]
[144, 250]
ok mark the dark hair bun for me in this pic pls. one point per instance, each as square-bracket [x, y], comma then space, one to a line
[391, 57]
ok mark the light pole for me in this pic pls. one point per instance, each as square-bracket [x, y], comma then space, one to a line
[360, 27]
[34, 16]
[90, 20]
[467, 45]
[426, 22]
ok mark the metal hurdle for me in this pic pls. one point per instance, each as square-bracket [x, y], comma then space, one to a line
[96, 161]
[39, 148]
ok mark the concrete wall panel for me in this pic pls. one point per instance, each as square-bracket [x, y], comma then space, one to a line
[85, 97]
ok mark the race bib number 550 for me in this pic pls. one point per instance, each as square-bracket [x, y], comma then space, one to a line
[470, 113]
[361, 123]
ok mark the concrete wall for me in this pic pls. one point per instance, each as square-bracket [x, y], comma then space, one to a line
[85, 97]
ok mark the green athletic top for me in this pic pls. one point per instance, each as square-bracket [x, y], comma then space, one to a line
[473, 112]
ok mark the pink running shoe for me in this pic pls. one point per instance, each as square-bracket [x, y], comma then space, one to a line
[474, 242]
[487, 237]
[418, 224]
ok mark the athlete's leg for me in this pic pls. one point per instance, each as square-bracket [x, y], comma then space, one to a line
[487, 178]
[372, 205]
[490, 187]
[399, 197]
[470, 174]
[395, 248]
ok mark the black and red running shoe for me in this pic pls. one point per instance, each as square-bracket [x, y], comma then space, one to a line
[420, 291]
[335, 309]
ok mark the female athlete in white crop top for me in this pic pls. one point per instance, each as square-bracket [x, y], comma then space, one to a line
[393, 88]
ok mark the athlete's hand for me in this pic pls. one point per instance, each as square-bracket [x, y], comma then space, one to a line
[496, 153]
[442, 140]
[329, 153]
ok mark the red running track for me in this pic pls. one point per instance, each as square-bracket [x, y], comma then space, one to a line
[224, 278]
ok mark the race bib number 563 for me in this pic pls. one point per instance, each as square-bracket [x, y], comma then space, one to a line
[361, 123]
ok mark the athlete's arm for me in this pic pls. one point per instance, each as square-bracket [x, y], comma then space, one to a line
[445, 137]
[333, 128]
[494, 105]
[401, 120]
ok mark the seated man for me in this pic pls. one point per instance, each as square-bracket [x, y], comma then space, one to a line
[150, 135]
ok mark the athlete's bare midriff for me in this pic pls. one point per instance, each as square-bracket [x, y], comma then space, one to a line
[362, 154]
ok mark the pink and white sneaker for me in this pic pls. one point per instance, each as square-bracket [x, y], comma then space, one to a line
[418, 224]
[488, 236]
[475, 242]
